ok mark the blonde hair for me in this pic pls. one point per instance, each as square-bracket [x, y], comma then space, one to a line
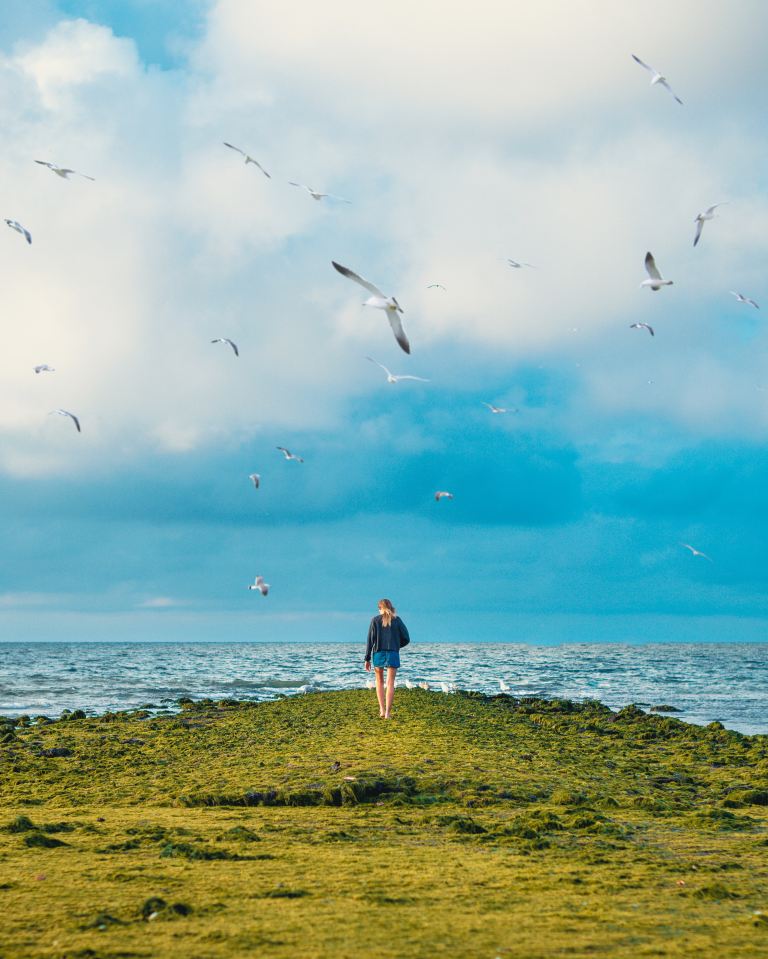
[388, 613]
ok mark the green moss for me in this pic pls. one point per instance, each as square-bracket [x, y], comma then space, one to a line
[480, 826]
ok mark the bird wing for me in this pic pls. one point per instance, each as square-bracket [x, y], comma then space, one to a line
[752, 303]
[83, 175]
[234, 347]
[45, 163]
[301, 186]
[256, 163]
[283, 450]
[397, 329]
[650, 266]
[380, 365]
[236, 149]
[650, 329]
[408, 377]
[699, 228]
[75, 420]
[644, 65]
[27, 235]
[666, 86]
[351, 275]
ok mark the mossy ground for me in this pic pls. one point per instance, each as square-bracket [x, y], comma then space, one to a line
[306, 827]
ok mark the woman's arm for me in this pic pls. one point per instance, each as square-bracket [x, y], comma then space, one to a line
[403, 632]
[371, 638]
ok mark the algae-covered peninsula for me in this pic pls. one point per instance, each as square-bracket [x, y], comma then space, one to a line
[468, 826]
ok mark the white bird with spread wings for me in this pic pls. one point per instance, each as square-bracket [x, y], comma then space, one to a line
[379, 301]
[655, 280]
[395, 378]
[248, 158]
[63, 172]
[657, 77]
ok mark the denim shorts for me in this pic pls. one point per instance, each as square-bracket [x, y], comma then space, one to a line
[387, 658]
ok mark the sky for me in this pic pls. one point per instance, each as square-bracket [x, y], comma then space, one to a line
[461, 139]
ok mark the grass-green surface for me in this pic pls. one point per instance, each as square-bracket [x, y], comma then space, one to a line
[307, 827]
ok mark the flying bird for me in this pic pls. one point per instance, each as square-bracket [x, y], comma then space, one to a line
[392, 378]
[259, 584]
[316, 195]
[289, 455]
[255, 479]
[708, 214]
[642, 326]
[15, 225]
[223, 339]
[442, 494]
[380, 302]
[499, 409]
[63, 172]
[695, 552]
[655, 280]
[517, 264]
[44, 368]
[436, 286]
[72, 416]
[248, 159]
[744, 299]
[656, 77]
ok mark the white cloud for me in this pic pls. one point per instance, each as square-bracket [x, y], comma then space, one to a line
[462, 138]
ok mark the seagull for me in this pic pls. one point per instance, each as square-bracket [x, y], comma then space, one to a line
[504, 687]
[15, 225]
[381, 302]
[44, 368]
[248, 159]
[657, 78]
[409, 684]
[744, 299]
[289, 455]
[708, 214]
[72, 416]
[655, 281]
[446, 687]
[223, 339]
[695, 552]
[424, 685]
[442, 494]
[316, 195]
[500, 409]
[255, 479]
[436, 286]
[259, 584]
[517, 264]
[61, 171]
[392, 378]
[642, 326]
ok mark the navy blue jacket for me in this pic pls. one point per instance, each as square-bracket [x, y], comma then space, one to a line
[381, 637]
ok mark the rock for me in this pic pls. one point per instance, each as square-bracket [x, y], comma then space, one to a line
[665, 709]
[56, 751]
[152, 907]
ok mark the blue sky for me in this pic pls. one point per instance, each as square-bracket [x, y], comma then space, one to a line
[460, 141]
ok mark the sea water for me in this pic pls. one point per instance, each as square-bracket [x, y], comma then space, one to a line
[705, 682]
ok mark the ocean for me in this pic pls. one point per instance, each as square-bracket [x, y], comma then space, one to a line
[705, 682]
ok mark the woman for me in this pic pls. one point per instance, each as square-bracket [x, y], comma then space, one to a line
[386, 634]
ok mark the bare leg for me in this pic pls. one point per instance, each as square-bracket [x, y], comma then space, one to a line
[391, 673]
[380, 689]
